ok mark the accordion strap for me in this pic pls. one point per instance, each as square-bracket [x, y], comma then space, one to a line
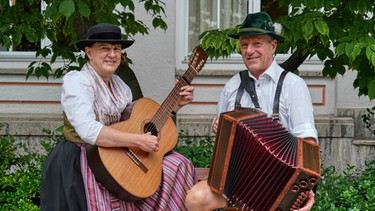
[248, 84]
[276, 101]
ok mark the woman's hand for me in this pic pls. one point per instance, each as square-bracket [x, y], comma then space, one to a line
[186, 96]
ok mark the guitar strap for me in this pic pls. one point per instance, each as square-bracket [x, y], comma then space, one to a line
[248, 84]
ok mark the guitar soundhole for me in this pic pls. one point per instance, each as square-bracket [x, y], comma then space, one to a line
[150, 127]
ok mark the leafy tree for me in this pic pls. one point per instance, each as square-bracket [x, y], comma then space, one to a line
[63, 22]
[340, 33]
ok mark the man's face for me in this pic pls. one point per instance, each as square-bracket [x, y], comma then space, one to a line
[257, 52]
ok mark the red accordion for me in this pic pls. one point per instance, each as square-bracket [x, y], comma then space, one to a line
[258, 165]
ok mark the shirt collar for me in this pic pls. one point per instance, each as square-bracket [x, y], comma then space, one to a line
[271, 72]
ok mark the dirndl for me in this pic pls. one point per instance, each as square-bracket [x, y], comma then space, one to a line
[62, 186]
[68, 184]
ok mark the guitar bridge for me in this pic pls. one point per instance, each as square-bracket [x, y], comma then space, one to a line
[135, 159]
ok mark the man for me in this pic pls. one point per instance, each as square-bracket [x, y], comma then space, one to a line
[258, 42]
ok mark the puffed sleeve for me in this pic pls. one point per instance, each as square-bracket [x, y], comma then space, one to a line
[77, 100]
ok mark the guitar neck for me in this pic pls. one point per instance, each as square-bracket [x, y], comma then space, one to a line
[171, 101]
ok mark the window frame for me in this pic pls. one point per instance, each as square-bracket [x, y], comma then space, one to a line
[234, 62]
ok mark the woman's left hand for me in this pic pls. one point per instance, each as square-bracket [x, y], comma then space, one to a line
[186, 96]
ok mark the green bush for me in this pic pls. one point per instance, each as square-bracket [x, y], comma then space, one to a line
[19, 177]
[351, 190]
[198, 151]
[20, 174]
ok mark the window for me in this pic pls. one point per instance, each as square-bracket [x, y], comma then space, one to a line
[197, 16]
[213, 14]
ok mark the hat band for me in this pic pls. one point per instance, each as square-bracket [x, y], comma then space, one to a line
[106, 36]
[255, 29]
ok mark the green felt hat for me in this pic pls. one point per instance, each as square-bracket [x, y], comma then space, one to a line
[256, 24]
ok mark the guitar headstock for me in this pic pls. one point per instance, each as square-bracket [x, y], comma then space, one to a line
[198, 58]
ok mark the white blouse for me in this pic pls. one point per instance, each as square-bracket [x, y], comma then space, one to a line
[77, 100]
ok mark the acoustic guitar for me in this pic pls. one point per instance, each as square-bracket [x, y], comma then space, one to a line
[131, 173]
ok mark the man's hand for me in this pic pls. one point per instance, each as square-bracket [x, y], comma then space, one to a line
[309, 202]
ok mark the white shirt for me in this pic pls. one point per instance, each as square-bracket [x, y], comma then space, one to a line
[295, 106]
[77, 100]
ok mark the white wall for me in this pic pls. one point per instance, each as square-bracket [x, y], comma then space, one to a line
[347, 96]
[153, 56]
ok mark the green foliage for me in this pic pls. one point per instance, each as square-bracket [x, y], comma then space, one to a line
[197, 151]
[217, 43]
[19, 177]
[368, 119]
[19, 188]
[340, 33]
[63, 22]
[20, 173]
[348, 191]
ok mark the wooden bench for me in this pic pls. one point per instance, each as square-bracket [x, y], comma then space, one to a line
[202, 173]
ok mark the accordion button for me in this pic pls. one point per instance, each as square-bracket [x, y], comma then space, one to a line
[303, 183]
[295, 188]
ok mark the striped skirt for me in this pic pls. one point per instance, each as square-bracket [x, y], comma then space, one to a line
[178, 177]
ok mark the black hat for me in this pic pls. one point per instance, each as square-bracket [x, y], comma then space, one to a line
[103, 32]
[258, 23]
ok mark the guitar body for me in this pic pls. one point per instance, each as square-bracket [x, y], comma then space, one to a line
[118, 171]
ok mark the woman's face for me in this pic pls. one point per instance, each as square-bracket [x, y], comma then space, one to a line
[104, 58]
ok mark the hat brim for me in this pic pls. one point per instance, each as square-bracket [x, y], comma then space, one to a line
[250, 33]
[81, 44]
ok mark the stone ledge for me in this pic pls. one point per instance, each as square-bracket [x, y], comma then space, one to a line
[327, 125]
[364, 142]
[334, 127]
[192, 125]
[26, 124]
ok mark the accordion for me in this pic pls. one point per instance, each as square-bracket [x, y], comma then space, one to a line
[258, 165]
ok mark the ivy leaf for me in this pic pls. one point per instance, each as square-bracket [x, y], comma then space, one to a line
[83, 8]
[369, 52]
[322, 27]
[17, 38]
[349, 49]
[52, 12]
[67, 8]
[357, 50]
[373, 58]
[362, 7]
[371, 89]
[30, 35]
[308, 28]
[340, 49]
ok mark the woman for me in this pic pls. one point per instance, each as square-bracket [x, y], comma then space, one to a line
[92, 99]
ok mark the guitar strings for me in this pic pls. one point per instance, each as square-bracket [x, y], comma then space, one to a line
[196, 63]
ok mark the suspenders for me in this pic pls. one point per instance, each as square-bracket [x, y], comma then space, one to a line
[248, 84]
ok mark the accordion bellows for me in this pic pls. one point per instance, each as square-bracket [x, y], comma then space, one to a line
[258, 165]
